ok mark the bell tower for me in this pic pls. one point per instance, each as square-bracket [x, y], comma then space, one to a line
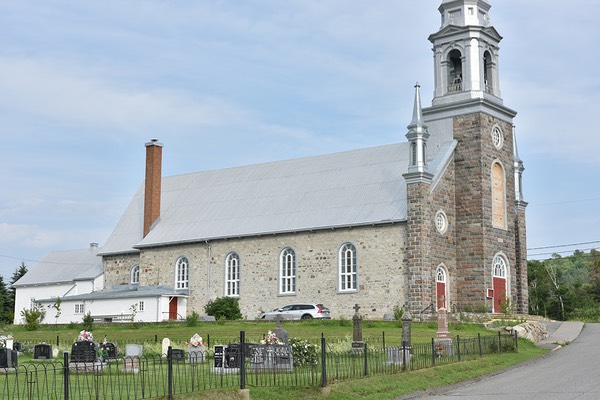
[466, 53]
[490, 264]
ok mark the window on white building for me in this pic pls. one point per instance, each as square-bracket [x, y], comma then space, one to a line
[79, 309]
[135, 275]
[141, 306]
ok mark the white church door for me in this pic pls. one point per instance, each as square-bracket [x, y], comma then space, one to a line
[441, 288]
[499, 283]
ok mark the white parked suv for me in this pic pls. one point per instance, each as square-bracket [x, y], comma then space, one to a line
[299, 311]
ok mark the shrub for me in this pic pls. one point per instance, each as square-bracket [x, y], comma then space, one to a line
[33, 317]
[192, 319]
[398, 312]
[304, 353]
[88, 322]
[224, 308]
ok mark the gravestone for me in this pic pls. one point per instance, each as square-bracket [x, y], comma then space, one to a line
[108, 351]
[83, 352]
[166, 342]
[8, 358]
[227, 359]
[177, 355]
[271, 357]
[444, 346]
[280, 333]
[357, 341]
[407, 327]
[17, 346]
[134, 350]
[42, 351]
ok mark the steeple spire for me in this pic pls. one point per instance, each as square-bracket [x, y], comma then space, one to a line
[519, 168]
[417, 137]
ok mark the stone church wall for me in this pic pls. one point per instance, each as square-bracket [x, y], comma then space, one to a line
[381, 270]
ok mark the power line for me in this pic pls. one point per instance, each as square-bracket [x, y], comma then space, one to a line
[562, 245]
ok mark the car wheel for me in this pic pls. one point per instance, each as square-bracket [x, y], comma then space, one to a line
[307, 316]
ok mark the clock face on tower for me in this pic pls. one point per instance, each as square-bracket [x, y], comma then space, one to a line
[497, 137]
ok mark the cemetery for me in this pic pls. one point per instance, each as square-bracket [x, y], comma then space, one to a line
[170, 366]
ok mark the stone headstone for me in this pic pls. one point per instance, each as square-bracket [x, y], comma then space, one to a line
[9, 344]
[397, 355]
[133, 350]
[166, 342]
[406, 326]
[177, 355]
[83, 352]
[281, 333]
[271, 357]
[207, 318]
[357, 340]
[108, 351]
[442, 332]
[196, 354]
[42, 351]
[227, 359]
[54, 353]
[17, 346]
[8, 358]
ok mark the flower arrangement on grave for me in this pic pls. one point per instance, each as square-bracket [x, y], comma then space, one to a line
[196, 341]
[271, 338]
[4, 339]
[304, 353]
[85, 336]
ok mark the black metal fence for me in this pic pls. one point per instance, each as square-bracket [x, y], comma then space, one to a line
[171, 375]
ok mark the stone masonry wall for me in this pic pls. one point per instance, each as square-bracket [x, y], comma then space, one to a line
[478, 241]
[381, 270]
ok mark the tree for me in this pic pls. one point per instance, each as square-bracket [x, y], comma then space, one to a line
[224, 308]
[18, 274]
[4, 303]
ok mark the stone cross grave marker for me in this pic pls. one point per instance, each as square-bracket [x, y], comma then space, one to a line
[281, 333]
[357, 341]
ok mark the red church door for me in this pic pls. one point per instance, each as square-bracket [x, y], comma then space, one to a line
[173, 308]
[441, 293]
[499, 272]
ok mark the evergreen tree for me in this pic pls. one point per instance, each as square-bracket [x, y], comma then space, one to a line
[4, 302]
[19, 272]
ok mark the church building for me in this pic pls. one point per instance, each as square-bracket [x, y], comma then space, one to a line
[436, 220]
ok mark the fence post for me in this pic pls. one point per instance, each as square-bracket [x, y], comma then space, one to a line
[243, 360]
[208, 341]
[66, 374]
[323, 363]
[155, 338]
[432, 352]
[516, 340]
[458, 346]
[479, 340]
[404, 355]
[170, 372]
[57, 341]
[383, 336]
[499, 343]
[366, 366]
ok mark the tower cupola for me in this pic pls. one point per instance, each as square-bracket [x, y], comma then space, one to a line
[465, 53]
[417, 136]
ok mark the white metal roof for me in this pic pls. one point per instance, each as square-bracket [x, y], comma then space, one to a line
[350, 188]
[64, 266]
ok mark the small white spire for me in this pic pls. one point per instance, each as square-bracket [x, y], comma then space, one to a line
[417, 136]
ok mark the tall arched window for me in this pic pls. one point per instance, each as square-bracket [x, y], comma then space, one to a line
[488, 72]
[498, 196]
[232, 275]
[287, 271]
[182, 273]
[348, 269]
[135, 275]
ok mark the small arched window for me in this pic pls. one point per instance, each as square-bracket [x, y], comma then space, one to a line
[182, 273]
[135, 275]
[348, 268]
[232, 275]
[488, 72]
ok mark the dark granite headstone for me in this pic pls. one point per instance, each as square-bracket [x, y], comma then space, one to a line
[177, 355]
[233, 356]
[219, 355]
[17, 346]
[83, 351]
[108, 351]
[42, 351]
[8, 358]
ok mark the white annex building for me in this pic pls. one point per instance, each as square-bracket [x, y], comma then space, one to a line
[434, 220]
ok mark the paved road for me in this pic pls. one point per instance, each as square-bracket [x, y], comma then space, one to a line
[572, 372]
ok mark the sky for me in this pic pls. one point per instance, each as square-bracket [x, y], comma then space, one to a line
[85, 84]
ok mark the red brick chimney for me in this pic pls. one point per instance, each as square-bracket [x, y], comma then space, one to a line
[152, 188]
